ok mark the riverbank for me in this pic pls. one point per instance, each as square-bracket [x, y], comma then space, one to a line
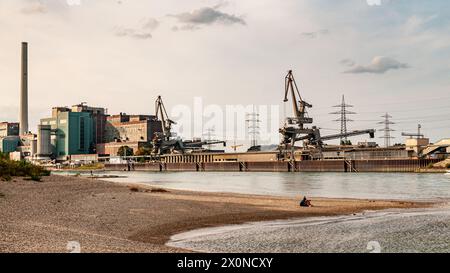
[111, 217]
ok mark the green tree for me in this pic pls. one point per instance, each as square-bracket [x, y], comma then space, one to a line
[346, 142]
[125, 151]
[143, 151]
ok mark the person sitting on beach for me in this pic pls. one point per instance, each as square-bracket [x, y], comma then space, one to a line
[305, 202]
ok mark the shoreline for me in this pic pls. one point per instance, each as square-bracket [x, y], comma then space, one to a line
[133, 217]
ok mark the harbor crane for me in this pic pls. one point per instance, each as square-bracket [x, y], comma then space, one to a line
[166, 122]
[417, 135]
[165, 142]
[295, 128]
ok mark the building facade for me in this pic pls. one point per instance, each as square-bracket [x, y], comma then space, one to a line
[99, 117]
[131, 128]
[9, 129]
[9, 144]
[72, 132]
[112, 148]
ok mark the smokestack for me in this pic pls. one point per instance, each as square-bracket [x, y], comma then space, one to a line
[23, 115]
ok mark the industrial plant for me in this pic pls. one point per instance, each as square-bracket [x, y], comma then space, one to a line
[83, 134]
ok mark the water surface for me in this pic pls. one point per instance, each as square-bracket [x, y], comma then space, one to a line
[404, 186]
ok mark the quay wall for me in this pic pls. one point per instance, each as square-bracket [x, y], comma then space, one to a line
[390, 165]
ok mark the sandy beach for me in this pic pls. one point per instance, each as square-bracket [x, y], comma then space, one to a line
[111, 217]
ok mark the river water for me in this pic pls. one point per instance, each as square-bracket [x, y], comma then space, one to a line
[419, 230]
[406, 186]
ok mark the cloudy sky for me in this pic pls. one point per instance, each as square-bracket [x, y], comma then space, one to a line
[121, 54]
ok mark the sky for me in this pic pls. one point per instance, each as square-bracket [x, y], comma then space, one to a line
[384, 56]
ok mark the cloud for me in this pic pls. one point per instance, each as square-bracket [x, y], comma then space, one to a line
[185, 28]
[315, 34]
[143, 32]
[347, 62]
[34, 8]
[150, 24]
[379, 65]
[207, 16]
[415, 23]
[132, 33]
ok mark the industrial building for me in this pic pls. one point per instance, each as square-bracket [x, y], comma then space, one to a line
[9, 129]
[112, 148]
[98, 115]
[9, 144]
[71, 132]
[131, 128]
[133, 131]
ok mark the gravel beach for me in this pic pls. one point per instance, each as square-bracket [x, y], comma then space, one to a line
[112, 217]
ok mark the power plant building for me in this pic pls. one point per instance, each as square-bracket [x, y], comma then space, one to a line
[71, 132]
[99, 117]
[9, 144]
[9, 129]
[132, 128]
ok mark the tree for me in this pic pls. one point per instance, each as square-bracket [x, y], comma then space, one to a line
[125, 151]
[346, 142]
[143, 151]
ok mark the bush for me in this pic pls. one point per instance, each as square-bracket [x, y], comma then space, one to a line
[6, 178]
[10, 169]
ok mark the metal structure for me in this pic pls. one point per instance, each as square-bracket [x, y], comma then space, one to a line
[163, 143]
[417, 135]
[253, 127]
[161, 114]
[295, 128]
[236, 146]
[166, 143]
[210, 132]
[343, 112]
[387, 129]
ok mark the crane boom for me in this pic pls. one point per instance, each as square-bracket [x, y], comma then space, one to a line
[371, 132]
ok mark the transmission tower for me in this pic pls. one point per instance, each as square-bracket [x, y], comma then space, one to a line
[210, 132]
[343, 112]
[253, 127]
[387, 129]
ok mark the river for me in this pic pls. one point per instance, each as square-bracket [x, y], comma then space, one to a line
[401, 186]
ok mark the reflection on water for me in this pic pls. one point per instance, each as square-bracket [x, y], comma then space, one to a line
[341, 185]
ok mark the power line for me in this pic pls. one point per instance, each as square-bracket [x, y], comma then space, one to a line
[387, 129]
[343, 112]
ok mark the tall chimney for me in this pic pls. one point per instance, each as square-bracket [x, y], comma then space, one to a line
[23, 115]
